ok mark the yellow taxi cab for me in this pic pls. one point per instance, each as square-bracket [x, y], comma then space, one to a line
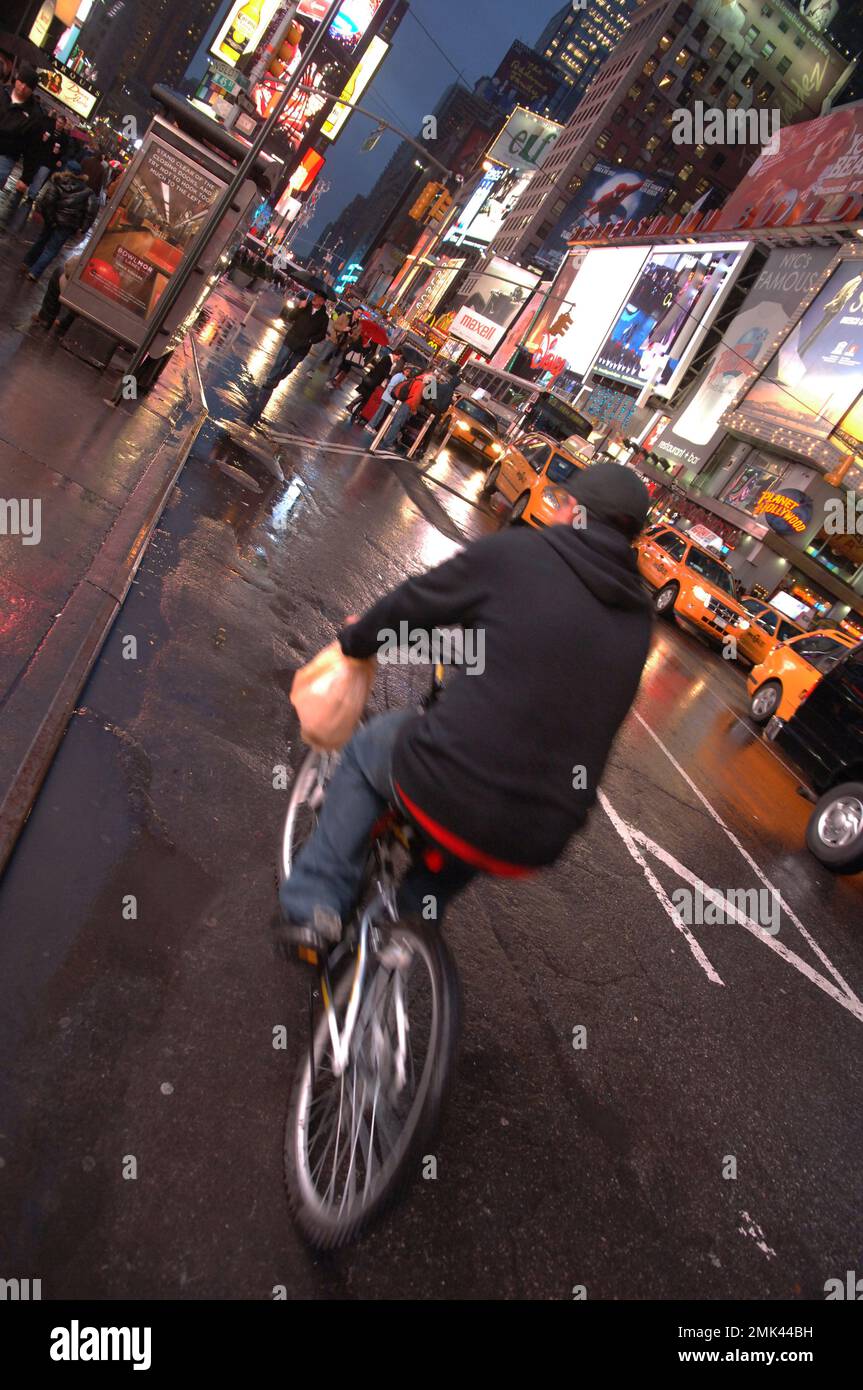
[689, 582]
[780, 684]
[532, 473]
[474, 427]
[767, 629]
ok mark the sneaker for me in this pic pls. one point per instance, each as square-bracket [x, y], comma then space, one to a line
[308, 939]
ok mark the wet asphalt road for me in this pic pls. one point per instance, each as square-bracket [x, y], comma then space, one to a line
[152, 1038]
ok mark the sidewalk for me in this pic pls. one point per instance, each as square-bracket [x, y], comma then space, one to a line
[81, 489]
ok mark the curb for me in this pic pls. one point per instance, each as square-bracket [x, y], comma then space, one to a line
[80, 631]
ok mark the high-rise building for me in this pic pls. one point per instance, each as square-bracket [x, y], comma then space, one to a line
[578, 41]
[761, 55]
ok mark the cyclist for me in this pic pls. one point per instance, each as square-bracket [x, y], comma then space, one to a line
[504, 767]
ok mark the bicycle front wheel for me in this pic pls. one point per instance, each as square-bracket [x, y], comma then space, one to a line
[356, 1134]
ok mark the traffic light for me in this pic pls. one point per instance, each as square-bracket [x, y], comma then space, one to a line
[441, 206]
[281, 61]
[425, 200]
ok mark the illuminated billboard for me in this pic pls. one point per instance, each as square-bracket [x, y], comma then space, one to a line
[582, 306]
[355, 85]
[494, 297]
[349, 25]
[525, 141]
[811, 385]
[484, 215]
[608, 194]
[242, 29]
[667, 312]
[69, 91]
[788, 277]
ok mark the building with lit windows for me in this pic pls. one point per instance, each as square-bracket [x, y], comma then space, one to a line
[577, 42]
[759, 54]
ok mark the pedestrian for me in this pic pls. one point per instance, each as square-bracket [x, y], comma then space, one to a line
[439, 402]
[410, 396]
[94, 169]
[502, 771]
[41, 176]
[337, 334]
[21, 126]
[306, 325]
[68, 207]
[353, 345]
[52, 313]
[378, 373]
[388, 399]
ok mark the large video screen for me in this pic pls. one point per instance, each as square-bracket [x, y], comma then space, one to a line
[670, 306]
[582, 306]
[811, 383]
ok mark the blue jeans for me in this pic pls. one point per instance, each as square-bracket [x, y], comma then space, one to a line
[328, 871]
[397, 424]
[285, 361]
[48, 244]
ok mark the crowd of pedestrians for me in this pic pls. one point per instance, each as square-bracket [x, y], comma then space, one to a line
[61, 179]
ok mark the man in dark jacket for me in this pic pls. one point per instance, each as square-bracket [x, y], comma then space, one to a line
[21, 124]
[307, 325]
[505, 765]
[380, 370]
[68, 207]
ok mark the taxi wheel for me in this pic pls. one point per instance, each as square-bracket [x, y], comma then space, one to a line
[519, 507]
[665, 599]
[490, 484]
[765, 701]
[835, 830]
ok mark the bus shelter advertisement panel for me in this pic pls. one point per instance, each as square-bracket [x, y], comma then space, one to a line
[816, 375]
[668, 309]
[161, 211]
[495, 299]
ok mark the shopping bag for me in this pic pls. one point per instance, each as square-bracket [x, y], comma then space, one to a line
[329, 695]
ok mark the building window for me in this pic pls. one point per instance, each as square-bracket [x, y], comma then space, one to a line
[671, 199]
[716, 48]
[766, 12]
[698, 74]
[650, 67]
[783, 26]
[650, 108]
[783, 65]
[702, 186]
[700, 31]
[684, 172]
[765, 92]
[749, 77]
[768, 50]
[683, 58]
[799, 42]
[665, 42]
[634, 92]
[682, 14]
[588, 163]
[637, 124]
[652, 144]
[733, 99]
[699, 150]
[751, 34]
[665, 80]
[731, 62]
[602, 139]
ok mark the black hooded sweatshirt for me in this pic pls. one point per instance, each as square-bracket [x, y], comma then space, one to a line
[509, 760]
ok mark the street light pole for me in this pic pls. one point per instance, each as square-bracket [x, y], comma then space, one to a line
[178, 284]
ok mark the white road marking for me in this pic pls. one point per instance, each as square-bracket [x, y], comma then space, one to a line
[754, 1230]
[846, 998]
[811, 943]
[626, 834]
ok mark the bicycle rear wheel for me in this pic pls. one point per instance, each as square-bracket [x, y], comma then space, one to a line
[353, 1140]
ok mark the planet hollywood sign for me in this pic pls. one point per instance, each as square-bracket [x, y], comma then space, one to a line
[786, 511]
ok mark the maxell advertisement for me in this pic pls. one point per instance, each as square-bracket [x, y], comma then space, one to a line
[788, 278]
[161, 211]
[494, 299]
[817, 374]
[667, 312]
[608, 194]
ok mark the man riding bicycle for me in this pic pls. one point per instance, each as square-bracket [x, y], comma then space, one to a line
[504, 767]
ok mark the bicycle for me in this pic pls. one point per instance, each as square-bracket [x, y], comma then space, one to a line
[384, 1024]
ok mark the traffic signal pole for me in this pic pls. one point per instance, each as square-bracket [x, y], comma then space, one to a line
[223, 205]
